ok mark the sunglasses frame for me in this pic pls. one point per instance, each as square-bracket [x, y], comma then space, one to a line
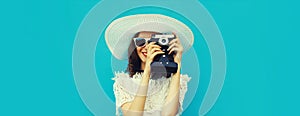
[146, 39]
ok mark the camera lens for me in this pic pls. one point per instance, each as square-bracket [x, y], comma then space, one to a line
[163, 41]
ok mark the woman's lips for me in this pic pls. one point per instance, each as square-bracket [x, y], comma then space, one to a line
[145, 54]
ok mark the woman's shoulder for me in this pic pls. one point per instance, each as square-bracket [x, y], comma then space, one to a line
[123, 81]
[122, 78]
[125, 76]
[120, 75]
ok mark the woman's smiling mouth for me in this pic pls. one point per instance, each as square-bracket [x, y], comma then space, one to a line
[145, 54]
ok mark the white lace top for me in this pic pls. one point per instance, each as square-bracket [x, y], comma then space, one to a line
[125, 88]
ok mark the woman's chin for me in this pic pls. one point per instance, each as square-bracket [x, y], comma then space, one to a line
[143, 59]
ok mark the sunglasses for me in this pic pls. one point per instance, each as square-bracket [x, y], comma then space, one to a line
[141, 42]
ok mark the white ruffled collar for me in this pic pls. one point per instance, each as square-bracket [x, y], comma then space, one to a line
[131, 84]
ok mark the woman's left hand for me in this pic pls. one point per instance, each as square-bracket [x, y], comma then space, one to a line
[176, 47]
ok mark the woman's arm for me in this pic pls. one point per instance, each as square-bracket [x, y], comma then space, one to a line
[171, 104]
[170, 107]
[136, 107]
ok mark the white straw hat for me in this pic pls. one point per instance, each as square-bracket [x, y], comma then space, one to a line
[119, 33]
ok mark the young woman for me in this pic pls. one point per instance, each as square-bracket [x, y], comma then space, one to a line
[136, 93]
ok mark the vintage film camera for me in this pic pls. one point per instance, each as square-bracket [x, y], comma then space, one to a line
[163, 64]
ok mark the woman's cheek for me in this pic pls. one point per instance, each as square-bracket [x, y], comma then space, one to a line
[142, 57]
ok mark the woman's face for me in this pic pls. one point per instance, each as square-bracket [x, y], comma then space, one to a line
[142, 51]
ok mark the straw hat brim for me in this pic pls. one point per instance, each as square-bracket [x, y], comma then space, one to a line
[120, 32]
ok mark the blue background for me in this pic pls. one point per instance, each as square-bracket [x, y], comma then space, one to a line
[106, 64]
[261, 40]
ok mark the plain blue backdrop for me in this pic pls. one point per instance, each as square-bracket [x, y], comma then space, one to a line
[261, 39]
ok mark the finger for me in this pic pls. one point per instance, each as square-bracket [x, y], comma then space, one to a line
[155, 49]
[172, 45]
[173, 41]
[177, 49]
[152, 42]
[150, 49]
[178, 45]
[156, 53]
[153, 46]
[173, 50]
[149, 44]
[174, 33]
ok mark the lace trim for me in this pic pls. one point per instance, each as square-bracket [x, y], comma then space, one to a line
[184, 79]
[130, 85]
[125, 88]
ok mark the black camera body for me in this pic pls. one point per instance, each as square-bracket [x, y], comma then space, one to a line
[163, 64]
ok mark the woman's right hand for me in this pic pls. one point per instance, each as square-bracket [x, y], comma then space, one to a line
[152, 51]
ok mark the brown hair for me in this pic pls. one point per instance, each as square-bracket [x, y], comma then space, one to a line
[134, 61]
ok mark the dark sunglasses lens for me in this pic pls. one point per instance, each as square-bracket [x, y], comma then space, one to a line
[140, 42]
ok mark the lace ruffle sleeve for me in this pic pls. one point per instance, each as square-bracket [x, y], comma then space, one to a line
[183, 89]
[121, 92]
